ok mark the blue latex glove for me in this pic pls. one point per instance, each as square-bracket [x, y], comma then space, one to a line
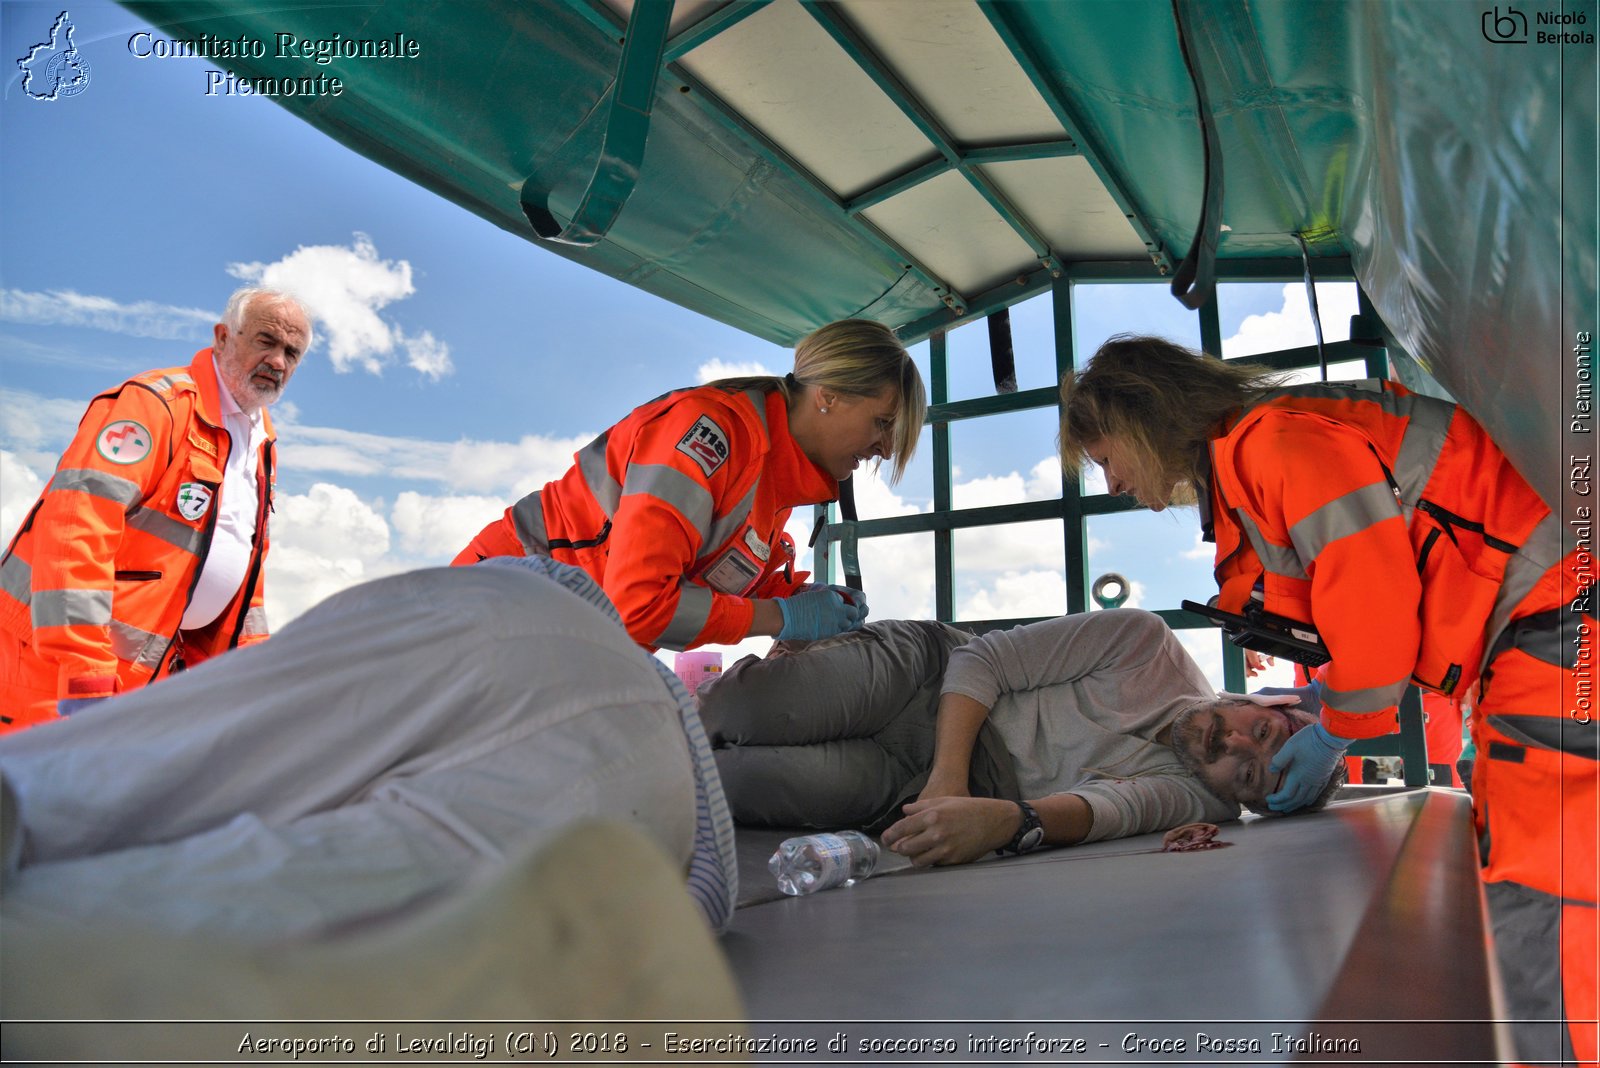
[819, 613]
[66, 706]
[1309, 758]
[1310, 699]
[855, 597]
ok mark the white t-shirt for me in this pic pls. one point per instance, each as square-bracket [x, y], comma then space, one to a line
[236, 505]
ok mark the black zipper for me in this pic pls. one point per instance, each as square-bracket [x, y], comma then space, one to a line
[1449, 519]
[263, 507]
[1427, 547]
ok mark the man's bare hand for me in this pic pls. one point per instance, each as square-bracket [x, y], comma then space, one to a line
[952, 830]
[1255, 663]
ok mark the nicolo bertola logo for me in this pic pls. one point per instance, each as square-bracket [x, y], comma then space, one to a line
[54, 69]
[1510, 25]
[282, 47]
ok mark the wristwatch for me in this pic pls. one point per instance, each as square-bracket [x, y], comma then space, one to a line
[1029, 836]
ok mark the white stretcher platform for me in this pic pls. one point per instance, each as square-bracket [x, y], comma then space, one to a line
[1361, 925]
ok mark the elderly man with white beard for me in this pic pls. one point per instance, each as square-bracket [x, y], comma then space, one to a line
[144, 553]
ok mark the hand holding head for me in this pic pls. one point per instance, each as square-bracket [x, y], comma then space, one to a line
[1232, 744]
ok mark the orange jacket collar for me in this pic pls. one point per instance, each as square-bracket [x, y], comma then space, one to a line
[802, 481]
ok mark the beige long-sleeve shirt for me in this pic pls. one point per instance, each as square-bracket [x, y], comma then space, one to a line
[1079, 700]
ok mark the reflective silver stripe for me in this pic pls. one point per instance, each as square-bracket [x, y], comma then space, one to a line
[1538, 554]
[592, 462]
[729, 525]
[1428, 424]
[97, 484]
[691, 499]
[1363, 389]
[527, 516]
[1342, 517]
[688, 619]
[136, 646]
[16, 578]
[758, 400]
[255, 622]
[169, 530]
[1278, 559]
[174, 382]
[1375, 699]
[67, 608]
[1549, 636]
[1559, 733]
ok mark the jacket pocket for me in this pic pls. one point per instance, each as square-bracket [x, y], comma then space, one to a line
[1456, 602]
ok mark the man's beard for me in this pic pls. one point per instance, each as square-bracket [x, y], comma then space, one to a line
[1185, 735]
[251, 394]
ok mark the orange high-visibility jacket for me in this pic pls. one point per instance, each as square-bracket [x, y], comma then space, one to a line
[678, 512]
[97, 579]
[1384, 518]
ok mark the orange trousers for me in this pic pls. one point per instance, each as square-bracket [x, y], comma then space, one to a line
[1535, 801]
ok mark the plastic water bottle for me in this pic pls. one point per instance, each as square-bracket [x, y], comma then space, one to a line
[822, 861]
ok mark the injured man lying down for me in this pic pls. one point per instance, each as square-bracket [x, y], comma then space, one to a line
[1097, 725]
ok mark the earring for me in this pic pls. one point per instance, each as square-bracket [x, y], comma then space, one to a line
[824, 411]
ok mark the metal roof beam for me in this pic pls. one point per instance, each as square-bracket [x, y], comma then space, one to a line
[1018, 153]
[831, 19]
[897, 185]
[982, 304]
[1028, 58]
[607, 21]
[725, 17]
[1028, 150]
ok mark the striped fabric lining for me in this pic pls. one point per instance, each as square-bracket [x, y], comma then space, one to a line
[713, 879]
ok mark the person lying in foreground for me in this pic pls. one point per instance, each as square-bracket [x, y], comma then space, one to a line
[400, 737]
[1085, 727]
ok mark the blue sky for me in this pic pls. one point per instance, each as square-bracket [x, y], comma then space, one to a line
[456, 363]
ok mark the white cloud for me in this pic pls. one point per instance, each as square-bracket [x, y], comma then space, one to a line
[1015, 594]
[144, 318]
[322, 542]
[712, 370]
[516, 468]
[297, 579]
[344, 288]
[436, 528]
[509, 468]
[19, 488]
[1044, 480]
[29, 421]
[427, 355]
[1200, 550]
[1290, 327]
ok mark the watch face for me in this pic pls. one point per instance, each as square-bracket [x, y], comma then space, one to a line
[1031, 840]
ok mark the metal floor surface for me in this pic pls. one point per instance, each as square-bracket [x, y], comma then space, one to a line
[1364, 924]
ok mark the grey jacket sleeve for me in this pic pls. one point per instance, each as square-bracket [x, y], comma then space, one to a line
[1055, 651]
